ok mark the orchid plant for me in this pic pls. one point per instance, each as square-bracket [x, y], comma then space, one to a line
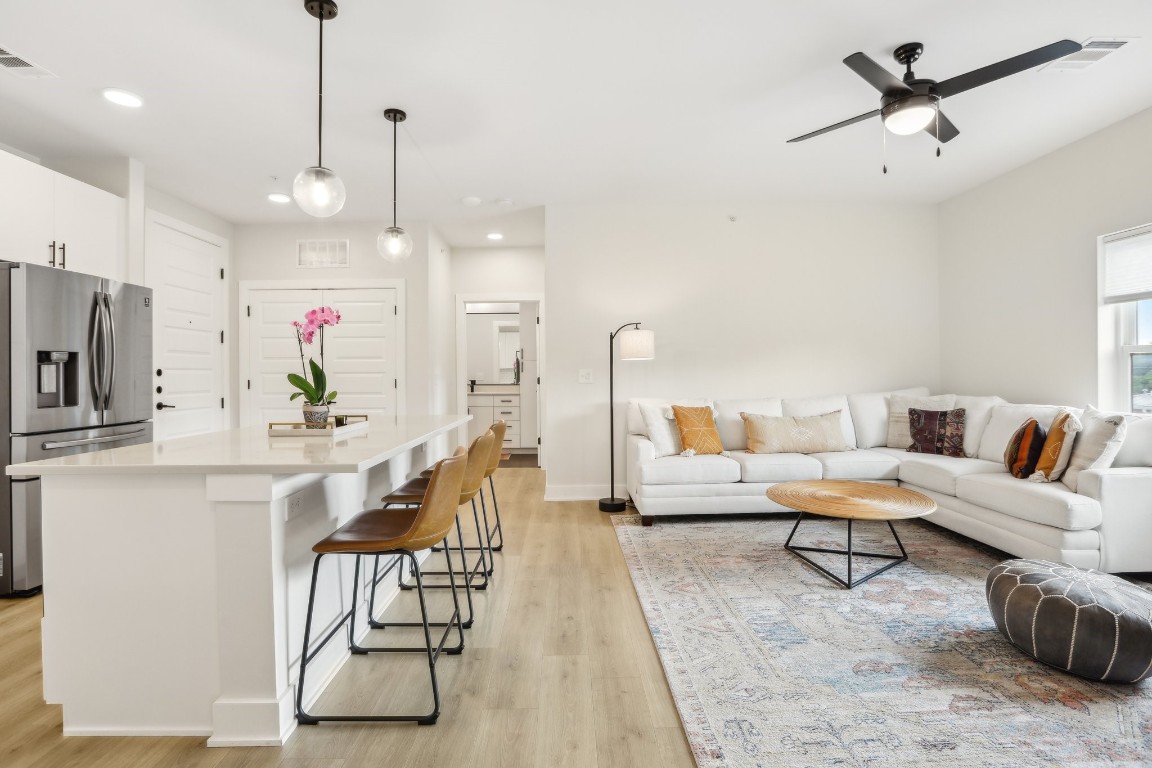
[314, 391]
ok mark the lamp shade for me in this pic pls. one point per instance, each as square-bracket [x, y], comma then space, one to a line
[318, 192]
[637, 344]
[394, 244]
[909, 115]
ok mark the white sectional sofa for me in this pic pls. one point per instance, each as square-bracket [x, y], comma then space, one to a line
[1106, 524]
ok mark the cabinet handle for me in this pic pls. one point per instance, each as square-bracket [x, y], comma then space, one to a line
[63, 255]
[505, 413]
[52, 258]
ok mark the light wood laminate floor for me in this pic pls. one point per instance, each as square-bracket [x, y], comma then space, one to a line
[559, 670]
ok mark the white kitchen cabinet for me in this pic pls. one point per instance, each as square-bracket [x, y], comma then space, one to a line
[89, 229]
[27, 222]
[486, 409]
[57, 221]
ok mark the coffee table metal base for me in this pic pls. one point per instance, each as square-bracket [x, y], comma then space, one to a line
[848, 583]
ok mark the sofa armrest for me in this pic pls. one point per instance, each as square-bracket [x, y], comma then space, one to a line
[640, 450]
[1125, 496]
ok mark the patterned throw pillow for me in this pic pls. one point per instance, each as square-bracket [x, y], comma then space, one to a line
[794, 434]
[899, 435]
[1057, 450]
[938, 432]
[698, 431]
[1023, 451]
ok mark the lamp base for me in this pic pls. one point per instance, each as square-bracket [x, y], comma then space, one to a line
[613, 505]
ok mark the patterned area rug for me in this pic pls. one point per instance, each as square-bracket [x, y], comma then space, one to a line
[772, 664]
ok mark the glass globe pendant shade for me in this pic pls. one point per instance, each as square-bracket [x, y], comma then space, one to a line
[318, 192]
[394, 244]
[909, 115]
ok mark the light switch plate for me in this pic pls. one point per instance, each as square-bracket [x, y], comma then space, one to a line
[585, 376]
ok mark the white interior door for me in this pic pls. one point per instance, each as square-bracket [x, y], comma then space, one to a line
[360, 354]
[188, 352]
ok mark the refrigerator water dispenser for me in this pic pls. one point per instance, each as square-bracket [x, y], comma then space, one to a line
[56, 380]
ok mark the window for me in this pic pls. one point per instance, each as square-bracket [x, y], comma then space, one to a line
[1127, 312]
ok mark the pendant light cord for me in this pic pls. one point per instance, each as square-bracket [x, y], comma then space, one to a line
[394, 170]
[320, 106]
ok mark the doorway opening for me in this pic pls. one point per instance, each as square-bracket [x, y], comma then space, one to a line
[499, 359]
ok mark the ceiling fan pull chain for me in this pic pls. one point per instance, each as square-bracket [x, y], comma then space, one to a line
[884, 147]
[937, 128]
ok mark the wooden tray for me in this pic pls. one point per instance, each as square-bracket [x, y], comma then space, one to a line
[353, 424]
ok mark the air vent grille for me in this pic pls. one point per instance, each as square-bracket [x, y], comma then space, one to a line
[15, 64]
[321, 254]
[1094, 50]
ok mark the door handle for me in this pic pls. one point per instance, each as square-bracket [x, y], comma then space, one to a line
[162, 406]
[52, 258]
[96, 355]
[62, 255]
[111, 362]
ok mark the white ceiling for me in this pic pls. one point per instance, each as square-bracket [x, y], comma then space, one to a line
[546, 103]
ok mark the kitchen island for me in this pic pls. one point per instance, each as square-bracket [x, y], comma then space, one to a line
[176, 573]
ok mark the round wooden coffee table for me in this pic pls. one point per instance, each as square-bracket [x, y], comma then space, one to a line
[852, 500]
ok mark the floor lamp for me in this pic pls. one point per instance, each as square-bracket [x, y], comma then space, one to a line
[635, 344]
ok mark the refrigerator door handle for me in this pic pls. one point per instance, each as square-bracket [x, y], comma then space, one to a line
[52, 445]
[95, 353]
[110, 361]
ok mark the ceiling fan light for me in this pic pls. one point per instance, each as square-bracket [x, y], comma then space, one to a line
[909, 115]
[394, 244]
[318, 192]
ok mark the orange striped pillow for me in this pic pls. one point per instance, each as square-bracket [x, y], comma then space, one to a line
[1024, 449]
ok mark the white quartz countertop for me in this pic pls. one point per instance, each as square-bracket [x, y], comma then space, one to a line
[251, 451]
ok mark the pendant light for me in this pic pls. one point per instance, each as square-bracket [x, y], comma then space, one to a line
[317, 190]
[394, 244]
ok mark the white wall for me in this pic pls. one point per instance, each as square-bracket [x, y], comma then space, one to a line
[486, 270]
[268, 252]
[1019, 258]
[441, 339]
[787, 300]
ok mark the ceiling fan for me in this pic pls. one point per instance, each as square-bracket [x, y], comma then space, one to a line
[912, 104]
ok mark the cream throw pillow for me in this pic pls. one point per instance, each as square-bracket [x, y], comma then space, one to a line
[899, 434]
[1097, 445]
[794, 434]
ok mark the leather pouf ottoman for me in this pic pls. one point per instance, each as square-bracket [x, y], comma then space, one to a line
[1089, 623]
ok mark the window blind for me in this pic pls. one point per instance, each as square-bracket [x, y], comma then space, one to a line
[1128, 266]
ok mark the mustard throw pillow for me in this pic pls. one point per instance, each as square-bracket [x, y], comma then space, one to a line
[1057, 450]
[698, 431]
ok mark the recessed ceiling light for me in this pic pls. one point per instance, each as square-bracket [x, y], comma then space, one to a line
[495, 236]
[470, 201]
[280, 197]
[504, 202]
[123, 98]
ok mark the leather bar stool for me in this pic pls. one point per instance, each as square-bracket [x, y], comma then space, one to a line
[401, 533]
[412, 492]
[498, 429]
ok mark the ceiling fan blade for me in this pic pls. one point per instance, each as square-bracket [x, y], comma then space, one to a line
[948, 131]
[841, 124]
[1024, 61]
[880, 78]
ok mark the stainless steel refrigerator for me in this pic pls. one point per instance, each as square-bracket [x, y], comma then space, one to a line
[76, 371]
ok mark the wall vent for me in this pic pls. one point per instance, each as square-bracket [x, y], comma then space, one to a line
[16, 64]
[320, 254]
[1094, 50]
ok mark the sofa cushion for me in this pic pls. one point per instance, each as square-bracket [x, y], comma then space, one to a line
[731, 426]
[1006, 419]
[1097, 444]
[937, 432]
[939, 473]
[977, 411]
[1137, 448]
[870, 415]
[688, 470]
[635, 418]
[697, 427]
[794, 434]
[858, 465]
[899, 435]
[776, 467]
[1045, 503]
[816, 406]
